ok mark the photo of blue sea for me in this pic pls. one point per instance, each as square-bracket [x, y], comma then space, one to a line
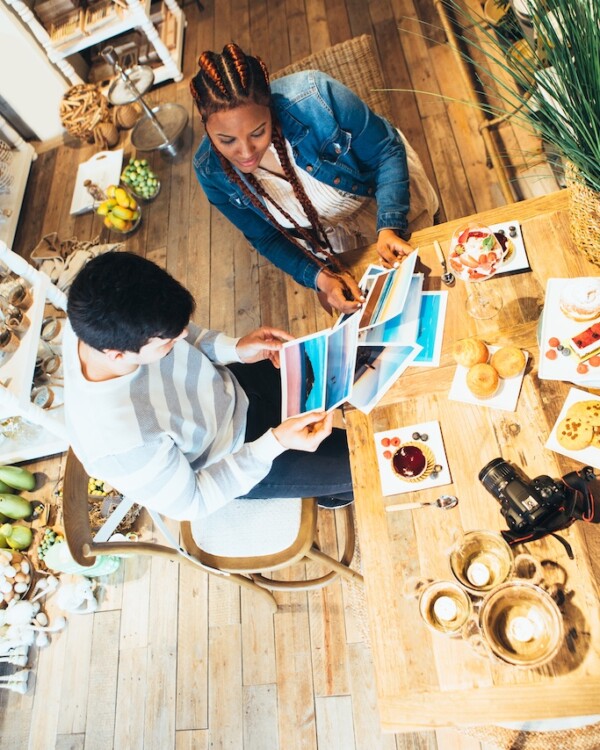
[403, 328]
[431, 327]
[312, 362]
[341, 356]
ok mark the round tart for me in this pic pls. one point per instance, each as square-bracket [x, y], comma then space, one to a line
[580, 299]
[413, 461]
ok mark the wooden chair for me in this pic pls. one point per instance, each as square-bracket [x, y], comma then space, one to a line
[354, 63]
[244, 541]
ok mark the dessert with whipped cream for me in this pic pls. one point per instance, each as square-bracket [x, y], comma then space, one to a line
[475, 253]
[580, 298]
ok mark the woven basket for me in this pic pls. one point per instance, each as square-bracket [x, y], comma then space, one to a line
[83, 108]
[584, 214]
[584, 738]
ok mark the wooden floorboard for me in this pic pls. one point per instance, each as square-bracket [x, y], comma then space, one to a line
[173, 660]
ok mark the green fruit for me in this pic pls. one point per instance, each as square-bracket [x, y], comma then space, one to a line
[20, 537]
[15, 507]
[17, 478]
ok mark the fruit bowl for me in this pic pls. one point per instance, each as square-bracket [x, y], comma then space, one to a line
[140, 179]
[120, 210]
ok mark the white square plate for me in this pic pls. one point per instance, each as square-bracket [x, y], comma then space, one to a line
[391, 484]
[590, 455]
[506, 396]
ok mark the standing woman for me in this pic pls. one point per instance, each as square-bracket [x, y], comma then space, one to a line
[305, 170]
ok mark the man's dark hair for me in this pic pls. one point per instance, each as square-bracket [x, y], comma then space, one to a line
[120, 301]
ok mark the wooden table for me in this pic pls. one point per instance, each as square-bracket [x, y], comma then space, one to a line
[426, 679]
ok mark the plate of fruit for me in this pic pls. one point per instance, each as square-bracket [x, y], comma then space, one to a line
[475, 253]
[120, 210]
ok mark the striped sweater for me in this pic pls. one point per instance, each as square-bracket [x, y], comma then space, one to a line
[170, 435]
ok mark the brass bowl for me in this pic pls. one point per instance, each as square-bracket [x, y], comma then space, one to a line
[521, 624]
[445, 607]
[480, 561]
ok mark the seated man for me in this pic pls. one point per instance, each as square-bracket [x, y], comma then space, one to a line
[178, 418]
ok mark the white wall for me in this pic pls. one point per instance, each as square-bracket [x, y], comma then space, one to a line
[28, 80]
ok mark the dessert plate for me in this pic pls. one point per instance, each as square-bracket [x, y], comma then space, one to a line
[554, 324]
[590, 454]
[506, 396]
[389, 441]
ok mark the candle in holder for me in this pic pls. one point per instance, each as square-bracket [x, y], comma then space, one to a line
[478, 574]
[445, 609]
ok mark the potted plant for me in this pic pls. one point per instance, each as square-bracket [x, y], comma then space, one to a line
[552, 85]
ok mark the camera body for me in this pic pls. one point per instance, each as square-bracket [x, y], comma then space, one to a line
[524, 504]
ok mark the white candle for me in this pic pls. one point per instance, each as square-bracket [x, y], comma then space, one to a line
[478, 574]
[444, 608]
[522, 629]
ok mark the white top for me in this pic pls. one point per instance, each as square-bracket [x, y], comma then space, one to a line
[170, 435]
[346, 217]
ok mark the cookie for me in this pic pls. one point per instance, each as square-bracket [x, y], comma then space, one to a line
[574, 434]
[587, 411]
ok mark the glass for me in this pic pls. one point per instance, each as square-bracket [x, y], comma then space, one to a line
[17, 428]
[475, 256]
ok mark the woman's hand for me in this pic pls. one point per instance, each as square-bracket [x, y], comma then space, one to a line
[263, 343]
[391, 248]
[340, 290]
[306, 432]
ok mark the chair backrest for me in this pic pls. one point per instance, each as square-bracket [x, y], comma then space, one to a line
[354, 63]
[297, 540]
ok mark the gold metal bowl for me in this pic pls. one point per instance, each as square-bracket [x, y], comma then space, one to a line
[522, 624]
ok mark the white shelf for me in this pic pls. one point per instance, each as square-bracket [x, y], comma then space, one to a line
[137, 16]
[128, 20]
[17, 372]
[19, 166]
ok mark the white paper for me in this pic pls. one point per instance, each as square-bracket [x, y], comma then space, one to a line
[103, 169]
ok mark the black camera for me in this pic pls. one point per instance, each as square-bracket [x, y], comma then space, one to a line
[534, 508]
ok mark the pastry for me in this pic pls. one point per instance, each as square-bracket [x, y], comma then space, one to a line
[508, 361]
[574, 434]
[482, 380]
[469, 352]
[587, 342]
[580, 298]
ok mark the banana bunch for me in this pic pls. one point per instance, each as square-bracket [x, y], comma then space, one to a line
[120, 209]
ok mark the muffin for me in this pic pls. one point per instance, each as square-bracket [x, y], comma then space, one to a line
[469, 352]
[508, 361]
[482, 380]
[580, 298]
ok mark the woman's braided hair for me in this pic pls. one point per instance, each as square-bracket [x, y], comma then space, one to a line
[233, 79]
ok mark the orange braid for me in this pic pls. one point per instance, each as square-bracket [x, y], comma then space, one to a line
[240, 64]
[208, 67]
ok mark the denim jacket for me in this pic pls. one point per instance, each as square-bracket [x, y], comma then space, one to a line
[339, 141]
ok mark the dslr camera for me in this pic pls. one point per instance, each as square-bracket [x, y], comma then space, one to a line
[540, 506]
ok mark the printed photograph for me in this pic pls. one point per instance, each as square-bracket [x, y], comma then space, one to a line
[403, 328]
[303, 367]
[377, 368]
[341, 356]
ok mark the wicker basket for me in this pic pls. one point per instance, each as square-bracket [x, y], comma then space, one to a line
[83, 108]
[584, 214]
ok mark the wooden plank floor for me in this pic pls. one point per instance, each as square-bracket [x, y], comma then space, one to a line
[174, 660]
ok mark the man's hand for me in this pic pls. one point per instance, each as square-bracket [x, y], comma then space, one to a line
[340, 290]
[263, 343]
[306, 432]
[391, 249]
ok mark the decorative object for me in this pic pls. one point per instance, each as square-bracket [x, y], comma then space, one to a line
[552, 88]
[83, 107]
[106, 135]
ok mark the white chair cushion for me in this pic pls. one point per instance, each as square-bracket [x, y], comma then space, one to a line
[249, 528]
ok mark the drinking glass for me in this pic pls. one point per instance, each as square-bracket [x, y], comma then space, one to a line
[475, 256]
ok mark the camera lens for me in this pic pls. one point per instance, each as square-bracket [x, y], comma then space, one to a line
[495, 474]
